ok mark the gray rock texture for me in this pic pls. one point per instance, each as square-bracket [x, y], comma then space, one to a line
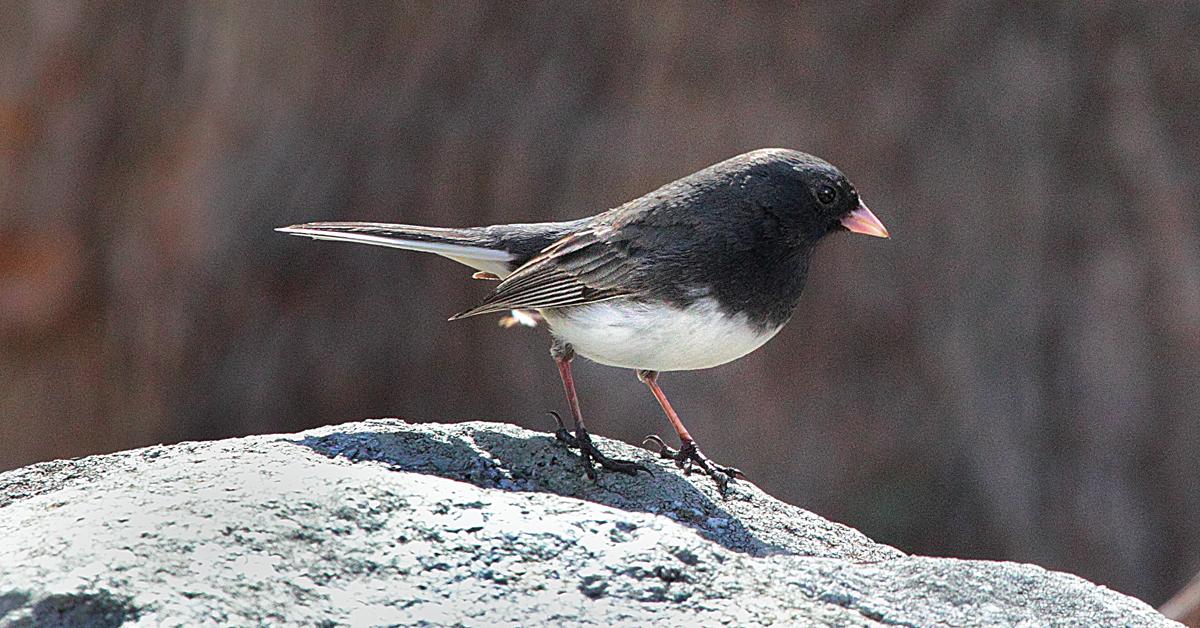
[389, 523]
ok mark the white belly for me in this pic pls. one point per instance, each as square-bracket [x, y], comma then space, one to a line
[636, 335]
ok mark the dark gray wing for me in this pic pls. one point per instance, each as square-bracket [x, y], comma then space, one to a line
[584, 267]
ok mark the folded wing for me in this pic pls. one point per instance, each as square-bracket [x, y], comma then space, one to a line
[580, 268]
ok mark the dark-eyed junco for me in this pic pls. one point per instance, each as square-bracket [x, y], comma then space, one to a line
[695, 274]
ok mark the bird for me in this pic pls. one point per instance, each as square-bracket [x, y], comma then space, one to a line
[695, 274]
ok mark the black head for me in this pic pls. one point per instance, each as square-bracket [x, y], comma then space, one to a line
[808, 196]
[741, 231]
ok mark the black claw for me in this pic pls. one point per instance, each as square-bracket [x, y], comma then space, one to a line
[588, 453]
[566, 437]
[689, 458]
[664, 451]
[562, 433]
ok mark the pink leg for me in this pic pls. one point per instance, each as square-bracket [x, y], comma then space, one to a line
[562, 354]
[688, 454]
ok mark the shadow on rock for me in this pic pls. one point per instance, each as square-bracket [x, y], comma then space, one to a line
[498, 456]
[83, 609]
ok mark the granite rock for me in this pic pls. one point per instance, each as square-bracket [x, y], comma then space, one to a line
[384, 522]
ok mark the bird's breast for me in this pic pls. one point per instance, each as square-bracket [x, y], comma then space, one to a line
[657, 336]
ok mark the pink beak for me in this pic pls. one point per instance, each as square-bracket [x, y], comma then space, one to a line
[861, 220]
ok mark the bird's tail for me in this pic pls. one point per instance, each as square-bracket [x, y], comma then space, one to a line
[477, 247]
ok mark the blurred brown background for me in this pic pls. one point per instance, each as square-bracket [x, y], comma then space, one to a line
[1014, 375]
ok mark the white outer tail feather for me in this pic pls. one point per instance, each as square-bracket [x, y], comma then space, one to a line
[479, 258]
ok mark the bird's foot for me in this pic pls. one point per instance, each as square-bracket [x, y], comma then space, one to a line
[689, 458]
[588, 453]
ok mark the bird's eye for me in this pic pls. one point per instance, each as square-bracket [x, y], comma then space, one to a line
[826, 194]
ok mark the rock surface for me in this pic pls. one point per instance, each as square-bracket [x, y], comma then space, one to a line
[389, 523]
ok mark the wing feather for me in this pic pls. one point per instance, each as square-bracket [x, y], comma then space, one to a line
[584, 267]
